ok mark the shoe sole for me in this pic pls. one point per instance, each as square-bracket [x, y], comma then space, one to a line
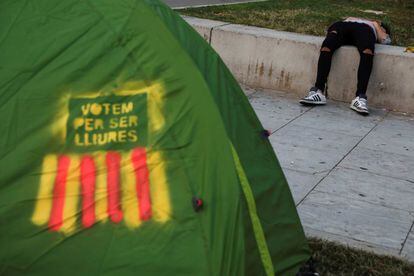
[305, 102]
[362, 112]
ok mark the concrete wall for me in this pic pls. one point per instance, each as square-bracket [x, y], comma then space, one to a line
[269, 59]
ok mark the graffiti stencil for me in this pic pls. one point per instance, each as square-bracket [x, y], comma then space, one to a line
[107, 173]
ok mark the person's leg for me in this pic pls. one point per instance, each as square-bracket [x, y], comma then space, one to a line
[364, 39]
[365, 42]
[333, 40]
[364, 71]
[324, 66]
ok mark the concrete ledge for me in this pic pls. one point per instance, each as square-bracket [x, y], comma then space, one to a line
[269, 59]
[204, 27]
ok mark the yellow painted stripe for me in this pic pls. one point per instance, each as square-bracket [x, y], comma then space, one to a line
[129, 192]
[44, 198]
[72, 196]
[254, 217]
[58, 127]
[101, 203]
[160, 196]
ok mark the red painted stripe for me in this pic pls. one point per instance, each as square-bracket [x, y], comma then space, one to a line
[139, 161]
[88, 180]
[113, 162]
[56, 214]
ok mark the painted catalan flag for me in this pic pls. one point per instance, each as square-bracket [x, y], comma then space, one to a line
[99, 187]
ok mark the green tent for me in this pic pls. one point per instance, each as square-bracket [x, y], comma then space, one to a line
[128, 148]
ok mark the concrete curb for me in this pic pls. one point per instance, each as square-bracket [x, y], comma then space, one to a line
[264, 58]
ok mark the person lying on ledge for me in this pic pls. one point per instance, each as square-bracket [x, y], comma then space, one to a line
[361, 33]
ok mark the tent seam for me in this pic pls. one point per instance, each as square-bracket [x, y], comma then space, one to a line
[257, 227]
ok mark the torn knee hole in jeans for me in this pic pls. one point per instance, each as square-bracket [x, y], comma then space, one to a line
[368, 52]
[333, 32]
[325, 49]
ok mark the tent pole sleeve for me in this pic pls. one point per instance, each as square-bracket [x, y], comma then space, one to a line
[251, 205]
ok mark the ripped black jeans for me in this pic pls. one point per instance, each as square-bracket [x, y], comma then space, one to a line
[348, 33]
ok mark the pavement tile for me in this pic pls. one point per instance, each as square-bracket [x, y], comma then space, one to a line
[380, 162]
[301, 183]
[274, 111]
[394, 134]
[373, 188]
[376, 248]
[305, 159]
[342, 109]
[272, 120]
[340, 119]
[249, 91]
[297, 135]
[355, 219]
[408, 250]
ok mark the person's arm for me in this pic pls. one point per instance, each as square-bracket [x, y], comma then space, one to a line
[381, 33]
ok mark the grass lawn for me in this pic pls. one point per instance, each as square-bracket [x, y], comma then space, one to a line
[314, 16]
[334, 259]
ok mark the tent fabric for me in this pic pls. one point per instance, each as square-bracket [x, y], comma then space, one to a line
[127, 147]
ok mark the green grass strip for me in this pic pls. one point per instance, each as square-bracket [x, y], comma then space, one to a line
[313, 17]
[257, 227]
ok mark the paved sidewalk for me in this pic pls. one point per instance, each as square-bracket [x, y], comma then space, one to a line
[352, 177]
